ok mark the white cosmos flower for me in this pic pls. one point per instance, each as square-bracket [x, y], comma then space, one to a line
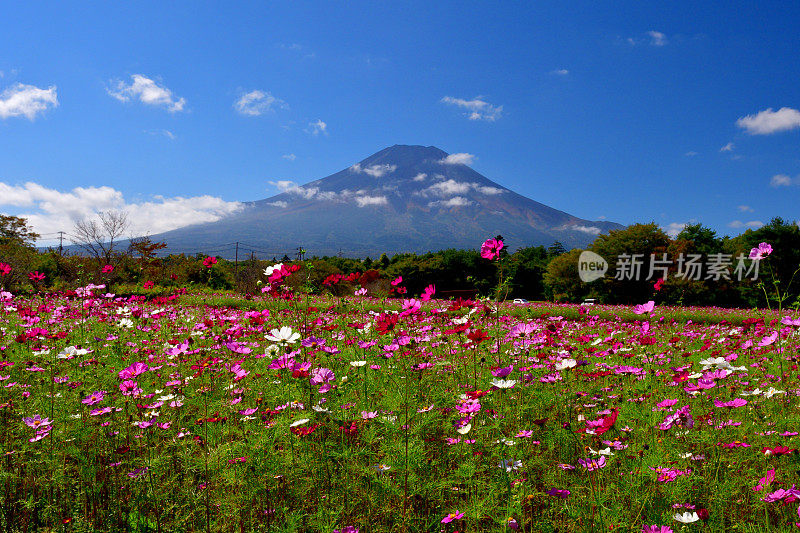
[320, 409]
[503, 383]
[357, 363]
[464, 430]
[125, 323]
[285, 335]
[772, 392]
[565, 364]
[755, 392]
[686, 518]
[298, 422]
[607, 451]
[270, 269]
[510, 464]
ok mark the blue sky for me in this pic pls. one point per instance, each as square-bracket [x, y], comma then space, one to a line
[633, 112]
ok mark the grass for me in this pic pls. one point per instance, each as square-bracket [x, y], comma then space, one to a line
[224, 427]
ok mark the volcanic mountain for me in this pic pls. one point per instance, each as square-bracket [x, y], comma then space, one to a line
[401, 199]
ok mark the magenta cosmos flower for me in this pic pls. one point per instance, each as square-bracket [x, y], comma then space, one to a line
[761, 251]
[95, 397]
[491, 248]
[456, 515]
[656, 529]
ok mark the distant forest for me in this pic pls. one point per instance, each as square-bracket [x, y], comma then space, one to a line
[696, 266]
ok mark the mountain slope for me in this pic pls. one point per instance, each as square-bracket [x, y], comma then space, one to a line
[401, 199]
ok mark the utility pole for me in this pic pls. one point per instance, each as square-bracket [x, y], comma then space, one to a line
[236, 263]
[60, 242]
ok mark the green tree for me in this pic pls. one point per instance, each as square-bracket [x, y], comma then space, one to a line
[15, 230]
[636, 243]
[562, 280]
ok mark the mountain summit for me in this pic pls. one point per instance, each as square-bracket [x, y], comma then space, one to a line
[401, 199]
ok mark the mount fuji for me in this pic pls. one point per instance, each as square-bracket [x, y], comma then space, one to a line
[401, 199]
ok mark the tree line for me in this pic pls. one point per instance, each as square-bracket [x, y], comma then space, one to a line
[696, 267]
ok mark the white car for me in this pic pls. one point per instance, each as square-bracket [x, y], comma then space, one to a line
[520, 301]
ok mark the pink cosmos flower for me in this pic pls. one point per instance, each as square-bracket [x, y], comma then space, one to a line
[5, 269]
[738, 402]
[397, 281]
[430, 290]
[133, 370]
[491, 249]
[366, 415]
[760, 251]
[130, 388]
[96, 397]
[593, 464]
[107, 269]
[656, 529]
[770, 339]
[765, 481]
[209, 262]
[452, 516]
[411, 307]
[503, 372]
[640, 309]
[36, 276]
[36, 421]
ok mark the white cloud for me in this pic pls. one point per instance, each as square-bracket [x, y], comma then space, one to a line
[376, 171]
[450, 187]
[420, 177]
[674, 228]
[456, 201]
[290, 157]
[745, 208]
[782, 180]
[279, 203]
[560, 72]
[363, 201]
[690, 154]
[657, 38]
[652, 38]
[751, 224]
[50, 210]
[458, 159]
[769, 121]
[26, 100]
[166, 133]
[148, 92]
[288, 186]
[257, 103]
[727, 148]
[591, 230]
[447, 188]
[476, 109]
[317, 127]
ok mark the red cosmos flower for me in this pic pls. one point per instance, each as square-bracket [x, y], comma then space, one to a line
[477, 336]
[658, 284]
[148, 284]
[302, 431]
[209, 262]
[475, 394]
[777, 450]
[386, 322]
[107, 269]
[36, 276]
[5, 268]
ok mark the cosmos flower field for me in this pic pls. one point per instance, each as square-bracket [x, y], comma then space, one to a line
[305, 413]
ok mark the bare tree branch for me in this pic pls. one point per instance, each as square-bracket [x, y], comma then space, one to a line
[97, 238]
